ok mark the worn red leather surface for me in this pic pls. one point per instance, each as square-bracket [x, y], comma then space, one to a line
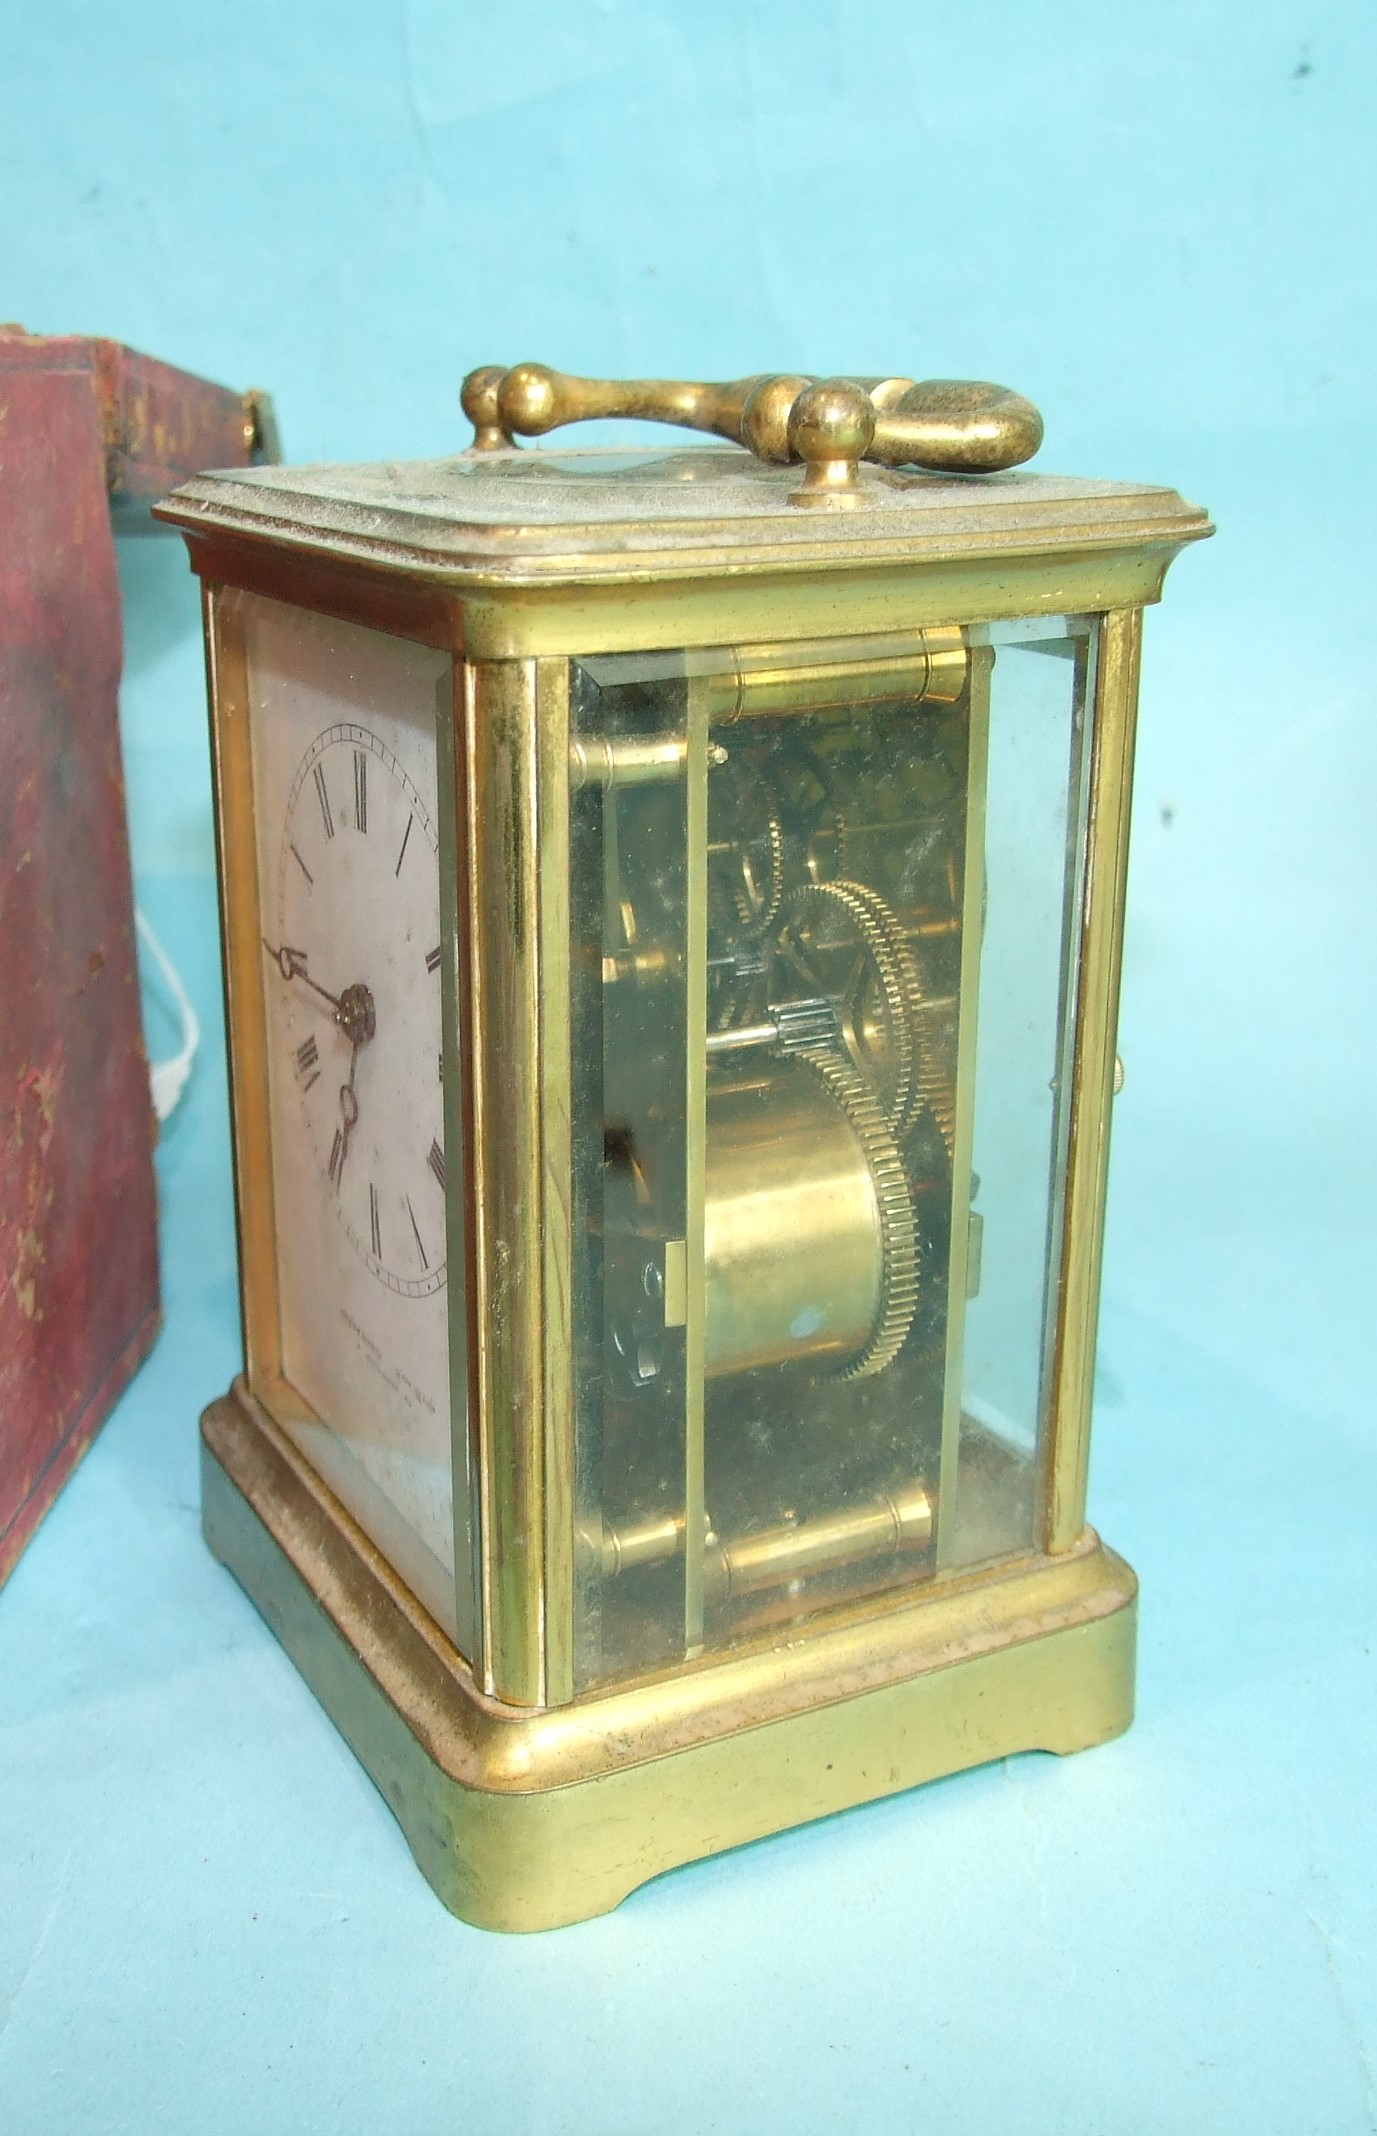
[161, 424]
[78, 1244]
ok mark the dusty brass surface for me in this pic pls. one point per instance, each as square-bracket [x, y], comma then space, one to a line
[953, 426]
[508, 932]
[456, 1079]
[1092, 1072]
[528, 1820]
[517, 555]
[714, 605]
[240, 939]
[551, 833]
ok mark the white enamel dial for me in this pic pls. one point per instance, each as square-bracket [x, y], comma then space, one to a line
[358, 958]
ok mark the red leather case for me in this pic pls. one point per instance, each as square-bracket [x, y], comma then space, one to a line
[81, 422]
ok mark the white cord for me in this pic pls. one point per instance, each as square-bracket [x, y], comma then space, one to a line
[168, 1078]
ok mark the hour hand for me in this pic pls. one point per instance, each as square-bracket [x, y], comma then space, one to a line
[292, 965]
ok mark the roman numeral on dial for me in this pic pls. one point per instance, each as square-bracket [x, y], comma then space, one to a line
[374, 1223]
[308, 1062]
[436, 1161]
[360, 790]
[324, 799]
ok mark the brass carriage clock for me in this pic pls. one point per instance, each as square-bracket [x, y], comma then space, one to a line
[672, 908]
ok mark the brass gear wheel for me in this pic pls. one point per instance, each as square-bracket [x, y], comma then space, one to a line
[757, 905]
[906, 1075]
[900, 1253]
[936, 1082]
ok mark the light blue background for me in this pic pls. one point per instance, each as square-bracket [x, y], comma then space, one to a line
[1157, 222]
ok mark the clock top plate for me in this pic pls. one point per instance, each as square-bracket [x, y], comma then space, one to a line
[547, 515]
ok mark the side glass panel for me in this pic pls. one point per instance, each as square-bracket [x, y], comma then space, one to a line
[348, 809]
[822, 900]
[1033, 839]
[628, 839]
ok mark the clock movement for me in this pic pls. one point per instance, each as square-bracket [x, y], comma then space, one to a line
[672, 914]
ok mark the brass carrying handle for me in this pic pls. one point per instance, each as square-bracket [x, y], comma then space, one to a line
[946, 425]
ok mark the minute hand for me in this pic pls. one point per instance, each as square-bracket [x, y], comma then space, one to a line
[349, 1120]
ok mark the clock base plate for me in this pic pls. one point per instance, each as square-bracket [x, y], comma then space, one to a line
[527, 1819]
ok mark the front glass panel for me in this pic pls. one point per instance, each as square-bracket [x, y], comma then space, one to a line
[822, 903]
[347, 804]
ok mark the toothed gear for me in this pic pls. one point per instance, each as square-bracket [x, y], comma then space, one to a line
[805, 1026]
[897, 978]
[900, 1253]
[936, 1084]
[757, 912]
[905, 976]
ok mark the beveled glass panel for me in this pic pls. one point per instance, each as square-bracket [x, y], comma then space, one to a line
[1033, 838]
[628, 838]
[343, 740]
[822, 902]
